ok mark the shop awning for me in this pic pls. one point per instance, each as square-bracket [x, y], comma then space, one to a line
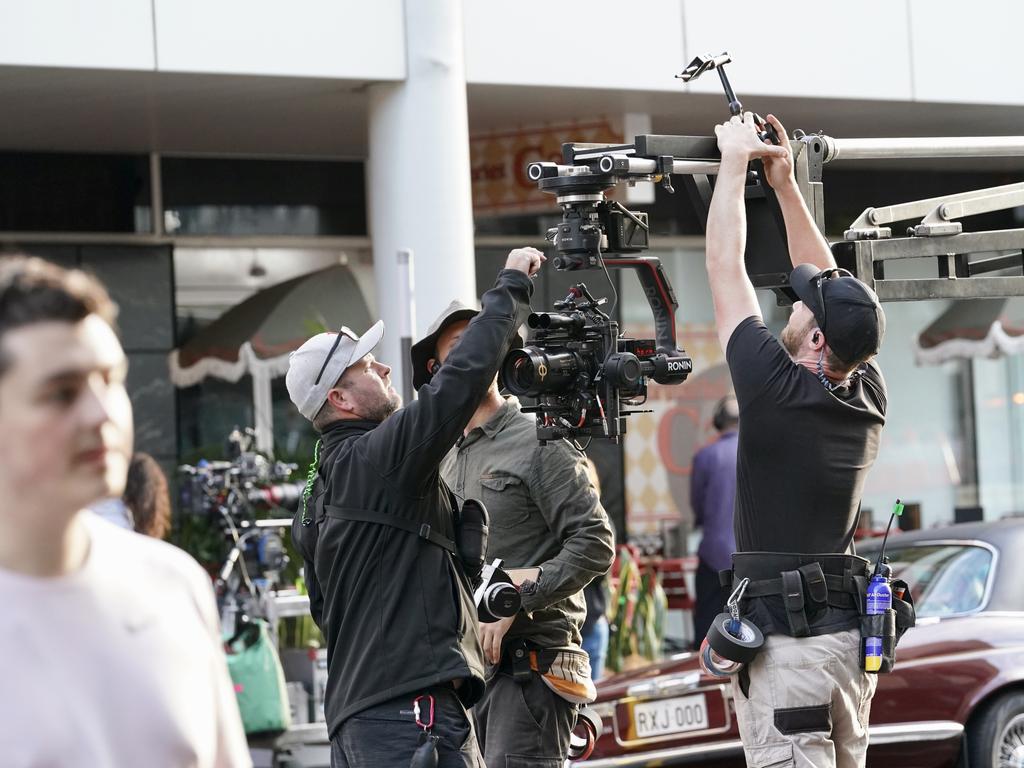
[973, 328]
[257, 335]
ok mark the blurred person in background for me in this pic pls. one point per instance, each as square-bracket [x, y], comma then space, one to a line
[110, 649]
[146, 496]
[712, 498]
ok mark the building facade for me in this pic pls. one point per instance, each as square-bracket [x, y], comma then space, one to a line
[193, 153]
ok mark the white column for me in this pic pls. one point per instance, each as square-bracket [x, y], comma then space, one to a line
[263, 409]
[418, 174]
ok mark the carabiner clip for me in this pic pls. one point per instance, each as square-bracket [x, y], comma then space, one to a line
[416, 711]
[737, 594]
[733, 604]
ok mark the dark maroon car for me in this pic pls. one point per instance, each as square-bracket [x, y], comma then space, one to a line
[956, 697]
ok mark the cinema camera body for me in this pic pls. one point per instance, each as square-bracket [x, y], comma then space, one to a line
[584, 374]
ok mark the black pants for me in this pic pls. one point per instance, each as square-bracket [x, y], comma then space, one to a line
[523, 725]
[385, 736]
[711, 597]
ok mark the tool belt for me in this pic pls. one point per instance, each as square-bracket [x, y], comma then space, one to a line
[566, 671]
[807, 584]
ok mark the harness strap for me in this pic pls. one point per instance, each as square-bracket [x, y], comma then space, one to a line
[423, 530]
[829, 585]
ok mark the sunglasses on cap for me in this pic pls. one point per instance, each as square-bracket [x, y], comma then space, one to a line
[334, 348]
[825, 274]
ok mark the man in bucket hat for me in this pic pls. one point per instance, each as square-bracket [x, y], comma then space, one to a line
[811, 411]
[544, 513]
[376, 532]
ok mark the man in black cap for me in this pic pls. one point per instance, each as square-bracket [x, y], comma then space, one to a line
[544, 514]
[811, 413]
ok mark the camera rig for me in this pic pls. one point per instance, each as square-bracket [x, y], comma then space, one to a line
[579, 369]
[238, 494]
[583, 374]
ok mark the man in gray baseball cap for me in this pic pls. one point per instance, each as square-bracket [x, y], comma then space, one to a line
[377, 529]
[315, 369]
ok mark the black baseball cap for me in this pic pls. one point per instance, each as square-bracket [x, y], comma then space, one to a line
[848, 312]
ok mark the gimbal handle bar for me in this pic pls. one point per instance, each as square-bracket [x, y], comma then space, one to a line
[660, 296]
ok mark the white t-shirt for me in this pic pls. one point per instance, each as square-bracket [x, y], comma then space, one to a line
[117, 665]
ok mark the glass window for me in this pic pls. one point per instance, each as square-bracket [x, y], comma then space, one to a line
[945, 579]
[58, 192]
[999, 412]
[208, 283]
[214, 196]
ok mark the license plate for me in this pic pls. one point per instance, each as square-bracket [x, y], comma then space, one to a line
[678, 715]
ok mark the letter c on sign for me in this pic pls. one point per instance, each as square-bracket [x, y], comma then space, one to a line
[519, 164]
[665, 429]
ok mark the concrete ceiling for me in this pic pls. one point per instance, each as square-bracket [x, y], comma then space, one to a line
[128, 111]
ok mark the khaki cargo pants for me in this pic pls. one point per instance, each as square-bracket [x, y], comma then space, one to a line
[808, 703]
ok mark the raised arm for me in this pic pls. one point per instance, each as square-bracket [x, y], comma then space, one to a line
[731, 290]
[408, 447]
[806, 243]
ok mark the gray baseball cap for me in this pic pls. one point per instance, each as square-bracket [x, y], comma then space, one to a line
[315, 367]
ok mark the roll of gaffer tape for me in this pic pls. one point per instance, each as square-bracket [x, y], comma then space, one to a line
[742, 648]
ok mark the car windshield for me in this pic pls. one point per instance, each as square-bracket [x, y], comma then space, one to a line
[945, 579]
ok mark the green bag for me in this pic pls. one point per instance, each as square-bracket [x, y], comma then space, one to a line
[259, 681]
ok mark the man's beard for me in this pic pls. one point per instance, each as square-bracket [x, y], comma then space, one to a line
[791, 338]
[383, 408]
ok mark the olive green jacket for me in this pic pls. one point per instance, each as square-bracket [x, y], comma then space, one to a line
[543, 513]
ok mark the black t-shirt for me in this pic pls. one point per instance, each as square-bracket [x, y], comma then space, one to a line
[804, 452]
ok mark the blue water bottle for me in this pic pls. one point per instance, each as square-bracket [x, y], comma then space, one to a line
[878, 600]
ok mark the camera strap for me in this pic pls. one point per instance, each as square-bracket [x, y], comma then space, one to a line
[423, 530]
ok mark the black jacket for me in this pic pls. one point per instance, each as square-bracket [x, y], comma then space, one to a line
[396, 610]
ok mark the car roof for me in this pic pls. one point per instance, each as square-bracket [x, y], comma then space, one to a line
[995, 532]
[1005, 536]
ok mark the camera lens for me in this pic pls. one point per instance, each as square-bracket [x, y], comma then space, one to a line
[501, 600]
[532, 371]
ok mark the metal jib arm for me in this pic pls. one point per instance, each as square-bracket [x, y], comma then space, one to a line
[964, 262]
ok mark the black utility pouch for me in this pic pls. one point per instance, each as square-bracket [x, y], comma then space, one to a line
[881, 625]
[906, 615]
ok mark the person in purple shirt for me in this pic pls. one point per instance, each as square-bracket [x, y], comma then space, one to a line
[712, 495]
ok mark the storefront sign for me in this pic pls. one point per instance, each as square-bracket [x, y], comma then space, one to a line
[499, 159]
